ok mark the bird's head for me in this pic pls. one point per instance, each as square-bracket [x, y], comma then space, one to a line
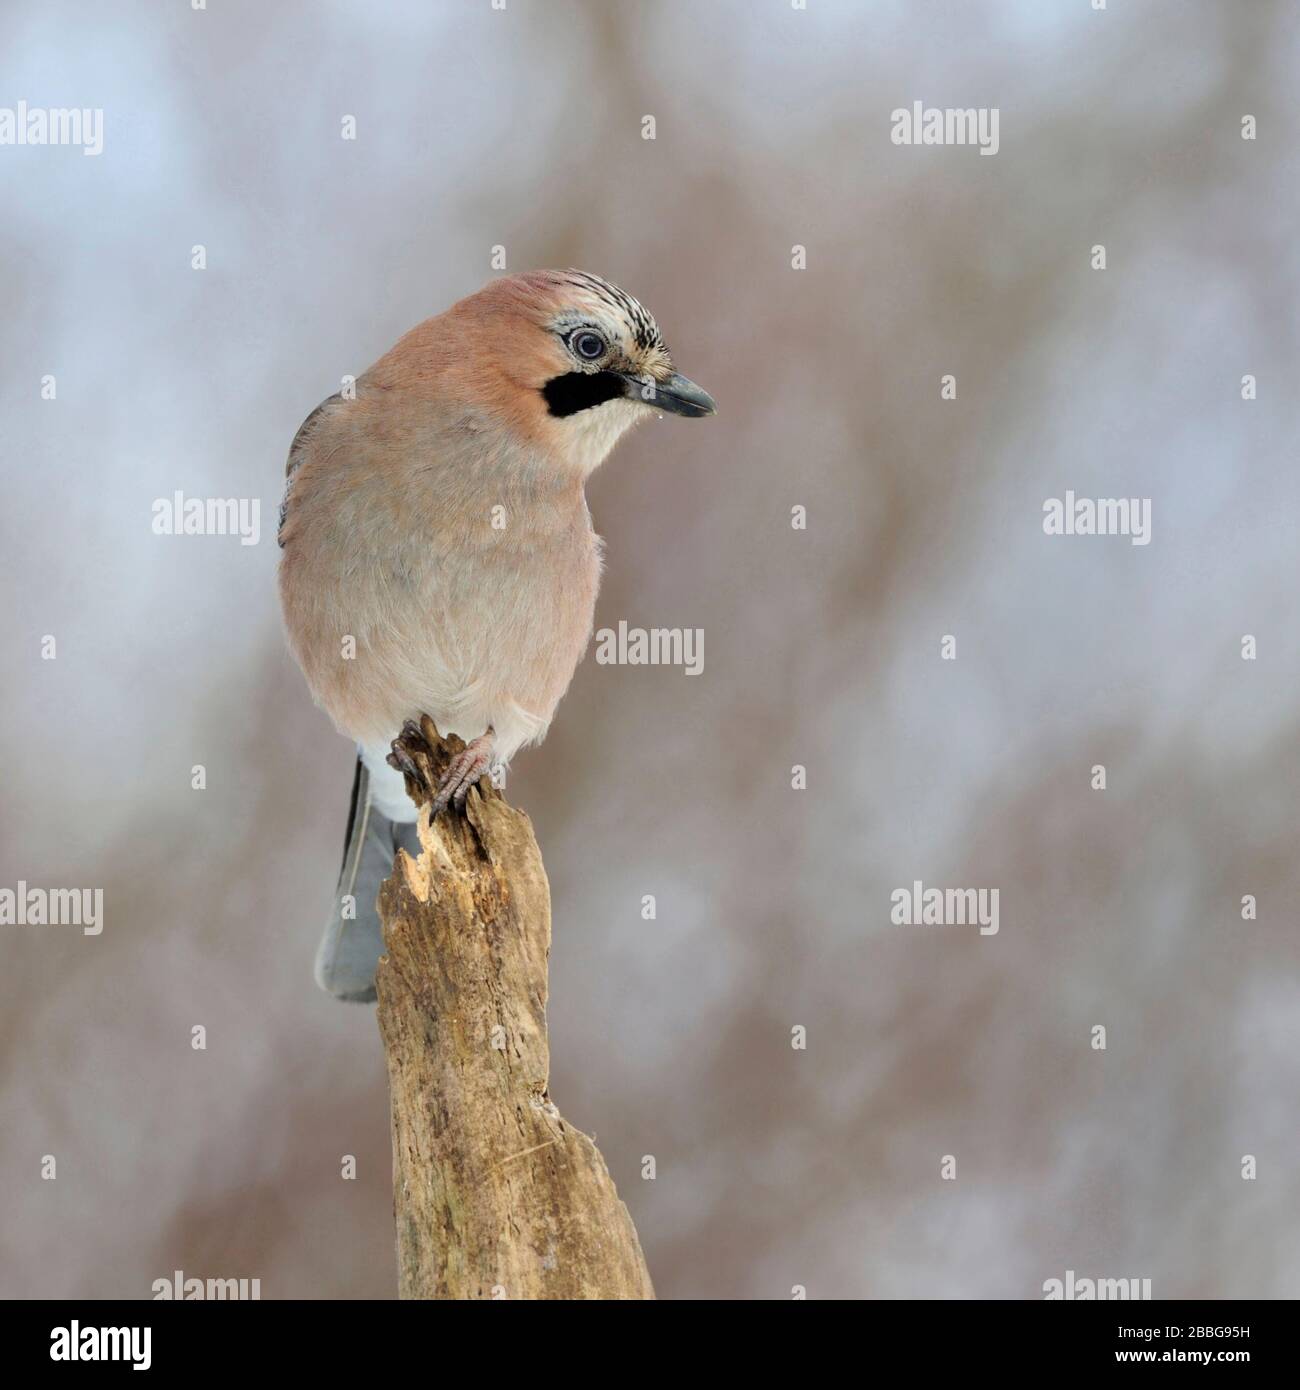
[565, 359]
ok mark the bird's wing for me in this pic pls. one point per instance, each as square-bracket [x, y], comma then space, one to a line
[296, 452]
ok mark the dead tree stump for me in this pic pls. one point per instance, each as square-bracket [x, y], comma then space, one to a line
[494, 1194]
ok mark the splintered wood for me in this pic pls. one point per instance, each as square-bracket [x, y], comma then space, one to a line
[495, 1195]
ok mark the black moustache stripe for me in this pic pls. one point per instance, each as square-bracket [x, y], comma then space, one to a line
[575, 391]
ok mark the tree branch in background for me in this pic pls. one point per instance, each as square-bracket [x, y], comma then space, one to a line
[495, 1195]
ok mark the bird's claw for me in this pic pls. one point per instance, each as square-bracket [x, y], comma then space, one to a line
[400, 758]
[464, 772]
[437, 770]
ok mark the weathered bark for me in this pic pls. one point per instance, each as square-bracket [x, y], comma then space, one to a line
[494, 1194]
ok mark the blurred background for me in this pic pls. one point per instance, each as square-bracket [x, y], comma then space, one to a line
[522, 127]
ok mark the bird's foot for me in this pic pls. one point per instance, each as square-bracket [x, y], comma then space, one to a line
[403, 757]
[464, 772]
[439, 770]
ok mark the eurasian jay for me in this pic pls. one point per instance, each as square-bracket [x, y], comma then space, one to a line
[438, 554]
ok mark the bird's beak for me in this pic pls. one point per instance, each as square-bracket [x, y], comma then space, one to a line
[678, 395]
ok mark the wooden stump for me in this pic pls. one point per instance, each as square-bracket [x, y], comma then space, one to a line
[494, 1194]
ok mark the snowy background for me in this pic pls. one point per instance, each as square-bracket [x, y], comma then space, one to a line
[522, 127]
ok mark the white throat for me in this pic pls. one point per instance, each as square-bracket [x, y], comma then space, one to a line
[591, 434]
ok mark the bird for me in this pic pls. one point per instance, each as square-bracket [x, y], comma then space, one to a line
[437, 551]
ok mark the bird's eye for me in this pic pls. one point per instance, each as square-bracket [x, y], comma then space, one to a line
[589, 346]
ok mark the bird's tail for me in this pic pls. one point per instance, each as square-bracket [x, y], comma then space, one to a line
[353, 940]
